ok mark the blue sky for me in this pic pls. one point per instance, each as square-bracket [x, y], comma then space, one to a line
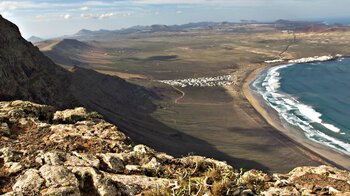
[49, 18]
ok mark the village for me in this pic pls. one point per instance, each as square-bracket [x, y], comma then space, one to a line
[313, 59]
[306, 59]
[224, 80]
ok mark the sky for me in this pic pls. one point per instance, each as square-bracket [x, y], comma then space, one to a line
[51, 18]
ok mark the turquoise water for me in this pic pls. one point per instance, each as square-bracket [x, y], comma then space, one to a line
[313, 97]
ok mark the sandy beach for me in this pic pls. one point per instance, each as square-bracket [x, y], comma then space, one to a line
[312, 149]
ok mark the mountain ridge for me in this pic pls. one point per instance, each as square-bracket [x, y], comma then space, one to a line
[65, 51]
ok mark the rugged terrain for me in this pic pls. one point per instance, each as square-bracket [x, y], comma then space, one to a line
[73, 152]
[190, 119]
[45, 151]
[183, 120]
[26, 73]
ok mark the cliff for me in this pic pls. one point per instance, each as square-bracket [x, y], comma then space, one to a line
[73, 152]
[27, 74]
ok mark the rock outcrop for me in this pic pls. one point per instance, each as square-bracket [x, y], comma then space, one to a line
[26, 73]
[74, 152]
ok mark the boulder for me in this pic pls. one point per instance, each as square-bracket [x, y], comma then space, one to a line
[30, 183]
[114, 164]
[59, 176]
[4, 129]
[13, 167]
[70, 116]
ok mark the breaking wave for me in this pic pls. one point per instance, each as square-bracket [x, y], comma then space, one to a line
[296, 113]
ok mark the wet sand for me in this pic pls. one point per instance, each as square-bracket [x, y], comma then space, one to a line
[312, 149]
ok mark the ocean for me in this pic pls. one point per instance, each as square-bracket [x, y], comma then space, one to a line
[312, 97]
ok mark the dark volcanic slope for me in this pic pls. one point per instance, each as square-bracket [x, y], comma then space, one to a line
[72, 44]
[25, 73]
[67, 51]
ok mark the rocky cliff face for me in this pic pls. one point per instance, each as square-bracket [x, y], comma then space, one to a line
[73, 152]
[27, 74]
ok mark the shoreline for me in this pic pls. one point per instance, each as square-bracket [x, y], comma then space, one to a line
[310, 148]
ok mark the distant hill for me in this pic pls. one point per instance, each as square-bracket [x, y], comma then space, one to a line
[66, 51]
[35, 39]
[148, 29]
[85, 32]
[71, 44]
[294, 25]
[243, 26]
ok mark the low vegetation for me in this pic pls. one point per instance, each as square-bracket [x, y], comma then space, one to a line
[74, 152]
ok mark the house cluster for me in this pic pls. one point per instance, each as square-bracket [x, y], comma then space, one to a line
[274, 61]
[224, 80]
[312, 59]
[307, 59]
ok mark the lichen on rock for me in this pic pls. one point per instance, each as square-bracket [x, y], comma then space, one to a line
[74, 152]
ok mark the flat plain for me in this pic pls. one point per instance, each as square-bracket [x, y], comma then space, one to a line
[216, 122]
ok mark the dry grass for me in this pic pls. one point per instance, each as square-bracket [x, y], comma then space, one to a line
[199, 178]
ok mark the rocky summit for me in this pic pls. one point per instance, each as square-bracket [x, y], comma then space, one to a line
[75, 152]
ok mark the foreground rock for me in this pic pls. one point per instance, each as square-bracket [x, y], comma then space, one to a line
[73, 152]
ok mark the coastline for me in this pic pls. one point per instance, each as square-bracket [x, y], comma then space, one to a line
[310, 148]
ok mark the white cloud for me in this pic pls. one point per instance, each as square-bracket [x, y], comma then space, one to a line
[106, 15]
[85, 8]
[52, 17]
[8, 5]
[97, 3]
[207, 2]
[67, 16]
[32, 4]
[43, 17]
[178, 12]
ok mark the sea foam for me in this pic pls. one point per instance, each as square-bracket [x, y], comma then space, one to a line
[298, 114]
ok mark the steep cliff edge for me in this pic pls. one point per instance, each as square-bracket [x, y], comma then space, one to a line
[25, 73]
[73, 152]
